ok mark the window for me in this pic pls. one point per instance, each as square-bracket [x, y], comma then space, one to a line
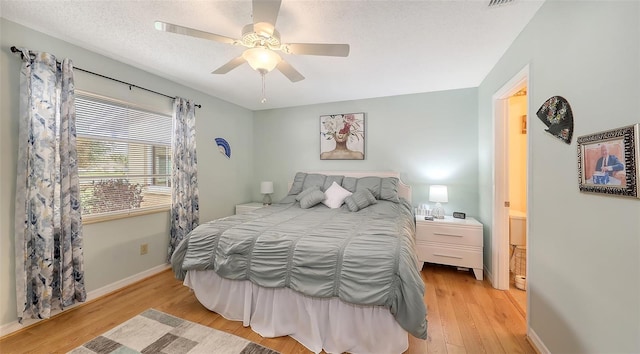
[124, 157]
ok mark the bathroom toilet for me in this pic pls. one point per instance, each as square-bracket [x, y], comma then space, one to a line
[517, 228]
[518, 242]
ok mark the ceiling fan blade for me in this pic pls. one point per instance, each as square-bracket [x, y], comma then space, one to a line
[333, 50]
[266, 11]
[170, 27]
[292, 74]
[230, 65]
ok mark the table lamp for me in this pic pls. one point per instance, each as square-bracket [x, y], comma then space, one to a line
[266, 188]
[438, 194]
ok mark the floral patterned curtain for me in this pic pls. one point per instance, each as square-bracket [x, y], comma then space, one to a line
[48, 223]
[184, 182]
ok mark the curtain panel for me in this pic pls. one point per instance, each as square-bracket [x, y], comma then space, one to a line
[184, 179]
[48, 222]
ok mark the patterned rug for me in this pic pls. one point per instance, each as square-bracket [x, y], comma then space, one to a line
[156, 332]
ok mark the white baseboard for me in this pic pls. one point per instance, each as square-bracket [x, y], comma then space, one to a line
[92, 295]
[489, 276]
[536, 342]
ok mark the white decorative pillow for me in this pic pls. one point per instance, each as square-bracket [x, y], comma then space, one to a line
[335, 196]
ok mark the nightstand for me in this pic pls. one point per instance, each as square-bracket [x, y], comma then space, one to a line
[248, 207]
[451, 241]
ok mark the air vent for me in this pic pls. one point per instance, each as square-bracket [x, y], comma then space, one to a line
[493, 3]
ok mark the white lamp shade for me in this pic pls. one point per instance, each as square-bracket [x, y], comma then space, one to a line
[261, 59]
[266, 187]
[438, 194]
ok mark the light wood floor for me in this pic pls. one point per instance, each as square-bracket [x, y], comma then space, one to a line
[519, 297]
[465, 316]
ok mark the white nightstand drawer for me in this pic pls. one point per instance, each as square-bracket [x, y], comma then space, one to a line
[447, 233]
[450, 256]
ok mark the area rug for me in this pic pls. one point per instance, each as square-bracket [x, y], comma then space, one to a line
[156, 332]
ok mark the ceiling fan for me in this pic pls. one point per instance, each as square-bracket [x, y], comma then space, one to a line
[263, 41]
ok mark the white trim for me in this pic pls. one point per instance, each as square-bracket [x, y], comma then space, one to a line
[126, 281]
[500, 220]
[490, 276]
[11, 327]
[537, 343]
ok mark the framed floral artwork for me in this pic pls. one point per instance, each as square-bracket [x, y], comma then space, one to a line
[342, 136]
[608, 162]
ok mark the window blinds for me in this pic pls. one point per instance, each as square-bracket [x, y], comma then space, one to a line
[124, 156]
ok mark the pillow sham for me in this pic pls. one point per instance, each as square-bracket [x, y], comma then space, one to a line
[304, 180]
[360, 200]
[307, 191]
[382, 188]
[312, 198]
[335, 196]
[296, 187]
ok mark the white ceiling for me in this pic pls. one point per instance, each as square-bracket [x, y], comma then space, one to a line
[397, 47]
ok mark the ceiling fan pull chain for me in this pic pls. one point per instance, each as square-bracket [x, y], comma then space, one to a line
[264, 96]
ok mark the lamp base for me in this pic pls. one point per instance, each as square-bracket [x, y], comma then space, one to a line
[267, 199]
[438, 211]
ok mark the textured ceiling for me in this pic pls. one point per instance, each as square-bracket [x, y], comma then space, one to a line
[397, 47]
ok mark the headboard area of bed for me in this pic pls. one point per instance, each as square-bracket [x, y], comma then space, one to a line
[404, 190]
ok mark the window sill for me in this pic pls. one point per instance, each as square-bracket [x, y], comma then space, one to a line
[93, 219]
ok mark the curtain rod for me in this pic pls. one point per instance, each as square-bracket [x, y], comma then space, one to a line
[16, 50]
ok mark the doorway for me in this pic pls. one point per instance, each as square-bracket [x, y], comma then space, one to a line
[510, 186]
[517, 196]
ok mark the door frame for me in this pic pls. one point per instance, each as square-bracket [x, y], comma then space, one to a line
[500, 219]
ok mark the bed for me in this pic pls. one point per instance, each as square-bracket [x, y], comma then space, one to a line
[339, 275]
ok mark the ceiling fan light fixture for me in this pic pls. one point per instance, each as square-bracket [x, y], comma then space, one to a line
[261, 59]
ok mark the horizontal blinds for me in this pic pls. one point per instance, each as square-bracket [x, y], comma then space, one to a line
[124, 157]
[105, 119]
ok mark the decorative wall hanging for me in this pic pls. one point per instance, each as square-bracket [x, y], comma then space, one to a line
[608, 162]
[223, 147]
[342, 136]
[556, 114]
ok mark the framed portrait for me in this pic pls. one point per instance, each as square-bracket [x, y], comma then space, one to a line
[342, 136]
[608, 162]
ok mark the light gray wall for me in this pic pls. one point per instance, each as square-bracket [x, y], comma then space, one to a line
[429, 138]
[584, 249]
[112, 248]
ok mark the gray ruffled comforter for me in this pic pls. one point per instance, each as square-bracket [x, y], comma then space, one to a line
[365, 258]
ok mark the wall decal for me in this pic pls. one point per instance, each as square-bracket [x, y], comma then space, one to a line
[223, 147]
[556, 114]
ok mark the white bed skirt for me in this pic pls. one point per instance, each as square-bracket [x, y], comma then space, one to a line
[316, 323]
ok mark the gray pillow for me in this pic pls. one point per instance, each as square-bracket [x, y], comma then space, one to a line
[303, 181]
[306, 191]
[360, 200]
[296, 187]
[312, 198]
[382, 188]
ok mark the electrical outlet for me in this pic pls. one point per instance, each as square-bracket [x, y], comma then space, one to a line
[144, 248]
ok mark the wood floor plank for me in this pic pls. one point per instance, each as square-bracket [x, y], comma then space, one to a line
[435, 336]
[495, 318]
[465, 316]
[459, 286]
[450, 327]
